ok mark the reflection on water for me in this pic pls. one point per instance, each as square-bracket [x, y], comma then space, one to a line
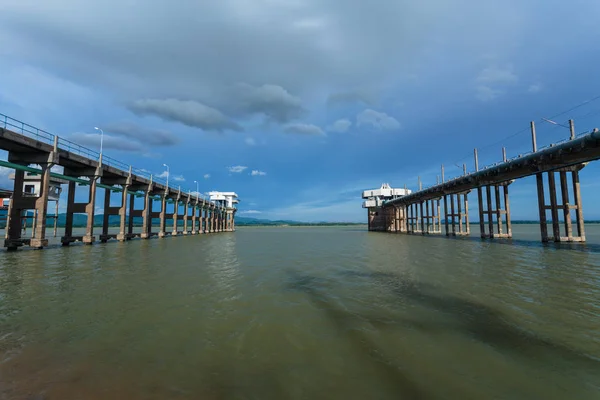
[302, 313]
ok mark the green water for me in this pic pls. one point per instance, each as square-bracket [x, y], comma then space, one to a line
[303, 313]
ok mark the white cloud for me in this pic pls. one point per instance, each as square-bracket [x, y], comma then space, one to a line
[496, 75]
[250, 141]
[340, 126]
[486, 93]
[237, 169]
[304, 129]
[492, 82]
[206, 176]
[175, 178]
[535, 88]
[378, 120]
[258, 173]
[248, 212]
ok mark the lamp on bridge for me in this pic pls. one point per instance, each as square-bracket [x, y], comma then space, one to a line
[101, 138]
[168, 173]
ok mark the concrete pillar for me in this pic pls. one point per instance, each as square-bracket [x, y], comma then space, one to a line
[446, 214]
[13, 219]
[194, 217]
[553, 206]
[176, 213]
[490, 216]
[41, 210]
[499, 222]
[90, 208]
[186, 215]
[578, 204]
[131, 216]
[507, 209]
[542, 207]
[105, 216]
[481, 213]
[66, 239]
[163, 216]
[122, 236]
[566, 206]
[453, 215]
[147, 214]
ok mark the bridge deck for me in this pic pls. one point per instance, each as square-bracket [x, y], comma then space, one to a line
[579, 150]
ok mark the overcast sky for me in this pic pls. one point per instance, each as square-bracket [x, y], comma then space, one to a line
[299, 105]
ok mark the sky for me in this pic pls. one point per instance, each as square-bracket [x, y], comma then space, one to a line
[299, 105]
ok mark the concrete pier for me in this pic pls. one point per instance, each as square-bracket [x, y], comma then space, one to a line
[36, 151]
[418, 212]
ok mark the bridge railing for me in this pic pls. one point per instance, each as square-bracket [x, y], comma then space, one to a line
[72, 147]
[26, 129]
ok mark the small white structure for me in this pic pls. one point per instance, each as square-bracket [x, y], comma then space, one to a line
[32, 184]
[376, 197]
[228, 199]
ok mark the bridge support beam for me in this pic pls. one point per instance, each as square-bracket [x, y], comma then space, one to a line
[498, 206]
[458, 215]
[122, 236]
[565, 205]
[13, 238]
[163, 216]
[186, 216]
[176, 214]
[87, 207]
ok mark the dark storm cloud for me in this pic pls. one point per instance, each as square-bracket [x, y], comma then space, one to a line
[197, 50]
[153, 137]
[92, 141]
[190, 113]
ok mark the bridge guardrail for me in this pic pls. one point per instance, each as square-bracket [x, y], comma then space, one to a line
[72, 147]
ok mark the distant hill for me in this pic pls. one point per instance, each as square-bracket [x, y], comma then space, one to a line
[80, 220]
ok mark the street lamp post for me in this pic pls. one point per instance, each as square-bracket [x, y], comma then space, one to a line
[101, 138]
[197, 192]
[168, 173]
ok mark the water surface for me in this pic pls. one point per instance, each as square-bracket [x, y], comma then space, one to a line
[303, 313]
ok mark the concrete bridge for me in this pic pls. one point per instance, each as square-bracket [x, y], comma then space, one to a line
[28, 147]
[420, 212]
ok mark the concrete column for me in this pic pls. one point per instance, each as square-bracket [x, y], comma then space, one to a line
[553, 206]
[467, 223]
[498, 210]
[185, 215]
[459, 200]
[490, 215]
[122, 236]
[131, 216]
[481, 213]
[233, 220]
[507, 208]
[194, 217]
[566, 206]
[422, 219]
[90, 208]
[163, 216]
[176, 213]
[542, 207]
[579, 210]
[147, 214]
[13, 219]
[105, 217]
[453, 215]
[446, 214]
[41, 210]
[67, 238]
[439, 213]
